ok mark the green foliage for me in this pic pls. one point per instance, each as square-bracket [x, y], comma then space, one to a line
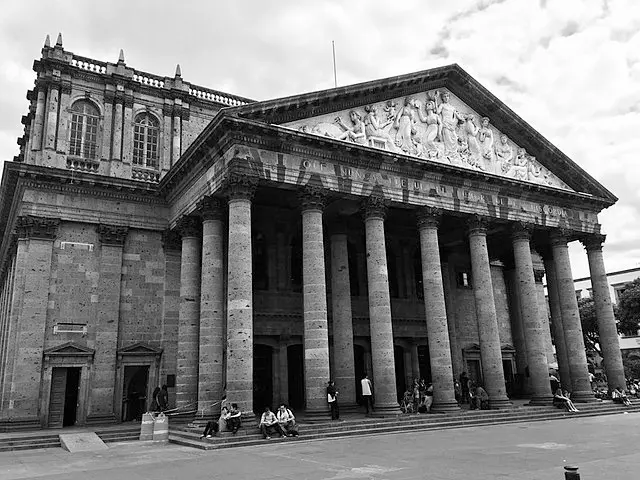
[589, 324]
[631, 367]
[628, 311]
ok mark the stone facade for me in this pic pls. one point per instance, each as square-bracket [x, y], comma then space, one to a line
[150, 238]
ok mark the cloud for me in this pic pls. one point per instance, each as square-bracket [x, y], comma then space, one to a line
[570, 68]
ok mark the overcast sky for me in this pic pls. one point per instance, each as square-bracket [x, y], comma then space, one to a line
[571, 68]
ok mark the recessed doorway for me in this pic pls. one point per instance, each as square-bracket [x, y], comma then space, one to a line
[134, 395]
[63, 400]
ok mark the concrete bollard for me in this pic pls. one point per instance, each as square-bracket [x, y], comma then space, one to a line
[571, 473]
[161, 428]
[146, 427]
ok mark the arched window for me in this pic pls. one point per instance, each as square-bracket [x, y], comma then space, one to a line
[146, 132]
[85, 118]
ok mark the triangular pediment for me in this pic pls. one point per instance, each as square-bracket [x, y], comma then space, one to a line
[70, 349]
[139, 348]
[441, 116]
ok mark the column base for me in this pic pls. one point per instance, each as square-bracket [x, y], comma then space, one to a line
[319, 414]
[386, 410]
[499, 403]
[584, 397]
[445, 407]
[541, 400]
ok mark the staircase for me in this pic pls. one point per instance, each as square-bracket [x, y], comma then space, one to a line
[49, 438]
[183, 435]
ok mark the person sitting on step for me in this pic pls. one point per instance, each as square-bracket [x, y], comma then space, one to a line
[269, 424]
[561, 399]
[480, 398]
[287, 420]
[211, 429]
[619, 396]
[234, 421]
[222, 421]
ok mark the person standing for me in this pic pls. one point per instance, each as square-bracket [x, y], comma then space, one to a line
[163, 398]
[332, 398]
[367, 393]
[464, 385]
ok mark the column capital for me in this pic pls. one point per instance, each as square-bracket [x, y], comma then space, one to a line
[374, 206]
[240, 186]
[189, 227]
[559, 237]
[477, 225]
[112, 234]
[171, 240]
[593, 242]
[211, 208]
[37, 227]
[428, 217]
[312, 197]
[521, 231]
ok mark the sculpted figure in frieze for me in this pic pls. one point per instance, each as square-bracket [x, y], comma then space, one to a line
[434, 126]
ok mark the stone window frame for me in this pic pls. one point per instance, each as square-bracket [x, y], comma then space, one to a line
[147, 142]
[73, 112]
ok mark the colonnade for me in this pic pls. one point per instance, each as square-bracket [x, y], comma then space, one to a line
[202, 324]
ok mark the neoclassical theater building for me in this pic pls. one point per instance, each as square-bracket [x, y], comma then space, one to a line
[158, 232]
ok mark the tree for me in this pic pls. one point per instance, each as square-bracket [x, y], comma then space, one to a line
[589, 322]
[628, 311]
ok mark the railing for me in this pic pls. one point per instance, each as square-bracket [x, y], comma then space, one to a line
[215, 96]
[148, 79]
[83, 164]
[89, 64]
[144, 175]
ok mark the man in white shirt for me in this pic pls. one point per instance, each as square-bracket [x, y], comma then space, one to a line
[269, 424]
[367, 393]
[287, 421]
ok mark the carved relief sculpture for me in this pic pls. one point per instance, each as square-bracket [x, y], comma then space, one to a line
[436, 127]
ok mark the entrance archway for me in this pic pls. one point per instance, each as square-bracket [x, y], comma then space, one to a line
[360, 367]
[262, 377]
[295, 363]
[134, 395]
[398, 354]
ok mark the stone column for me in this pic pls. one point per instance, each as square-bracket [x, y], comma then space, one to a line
[574, 342]
[343, 361]
[211, 341]
[415, 361]
[53, 100]
[456, 351]
[167, 136]
[177, 135]
[127, 129]
[609, 342]
[240, 190]
[102, 391]
[314, 295]
[381, 328]
[28, 316]
[116, 146]
[490, 351]
[39, 118]
[533, 328]
[189, 315]
[556, 322]
[543, 312]
[444, 399]
[62, 137]
[105, 150]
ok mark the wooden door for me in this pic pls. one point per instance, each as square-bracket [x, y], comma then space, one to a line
[56, 400]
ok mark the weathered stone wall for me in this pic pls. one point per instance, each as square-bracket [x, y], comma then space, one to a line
[143, 284]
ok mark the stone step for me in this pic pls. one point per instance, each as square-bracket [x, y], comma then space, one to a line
[395, 425]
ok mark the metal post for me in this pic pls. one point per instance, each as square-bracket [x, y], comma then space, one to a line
[571, 473]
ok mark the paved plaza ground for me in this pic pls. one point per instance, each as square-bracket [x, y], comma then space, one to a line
[603, 447]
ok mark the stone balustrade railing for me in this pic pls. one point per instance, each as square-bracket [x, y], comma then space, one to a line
[145, 175]
[214, 96]
[148, 79]
[89, 64]
[83, 164]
